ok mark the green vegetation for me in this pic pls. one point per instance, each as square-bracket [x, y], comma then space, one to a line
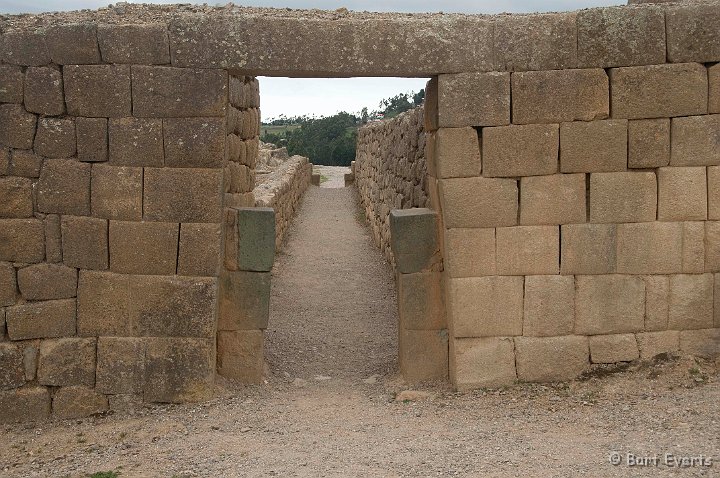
[105, 474]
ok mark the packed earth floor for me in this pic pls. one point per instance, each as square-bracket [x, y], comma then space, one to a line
[330, 406]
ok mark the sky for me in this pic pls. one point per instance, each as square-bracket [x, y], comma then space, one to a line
[324, 97]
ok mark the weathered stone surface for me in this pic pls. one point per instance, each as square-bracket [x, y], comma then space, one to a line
[116, 192]
[78, 402]
[16, 197]
[692, 33]
[25, 164]
[125, 402]
[623, 197]
[609, 304]
[473, 99]
[479, 202]
[11, 84]
[73, 44]
[549, 308]
[179, 369]
[691, 301]
[609, 37]
[12, 373]
[103, 304]
[120, 365]
[8, 284]
[97, 90]
[85, 242]
[47, 281]
[528, 250]
[136, 142]
[560, 95]
[711, 246]
[256, 239]
[17, 127]
[657, 296]
[240, 355]
[182, 195]
[649, 143]
[469, 252]
[457, 152]
[613, 348]
[551, 359]
[682, 194]
[483, 362]
[420, 303]
[55, 137]
[413, 238]
[701, 343]
[695, 141]
[649, 248]
[596, 146]
[244, 300]
[24, 404]
[30, 361]
[146, 44]
[693, 249]
[44, 91]
[658, 91]
[520, 150]
[143, 247]
[553, 199]
[713, 88]
[485, 306]
[199, 253]
[423, 355]
[178, 92]
[21, 240]
[92, 139]
[713, 178]
[64, 187]
[656, 343]
[194, 142]
[25, 47]
[38, 320]
[68, 361]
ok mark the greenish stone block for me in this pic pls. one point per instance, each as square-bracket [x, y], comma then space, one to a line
[413, 238]
[244, 300]
[256, 238]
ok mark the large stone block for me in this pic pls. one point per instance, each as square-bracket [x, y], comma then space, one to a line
[649, 248]
[695, 141]
[692, 32]
[609, 37]
[22, 240]
[596, 146]
[179, 370]
[136, 142]
[457, 152]
[182, 195]
[256, 238]
[609, 304]
[78, 402]
[16, 197]
[137, 44]
[485, 306]
[11, 84]
[528, 250]
[143, 247]
[120, 365]
[55, 138]
[713, 88]
[199, 252]
[520, 150]
[551, 359]
[613, 348]
[659, 91]
[479, 202]
[553, 199]
[25, 164]
[469, 252]
[17, 127]
[178, 92]
[623, 197]
[423, 355]
[649, 143]
[535, 42]
[27, 47]
[92, 139]
[420, 303]
[657, 302]
[24, 404]
[103, 304]
[47, 281]
[693, 248]
[682, 194]
[701, 343]
[560, 95]
[473, 99]
[413, 238]
[240, 355]
[8, 284]
[68, 361]
[549, 308]
[711, 246]
[194, 142]
[38, 320]
[98, 90]
[64, 187]
[12, 374]
[691, 302]
[116, 192]
[244, 300]
[713, 179]
[85, 242]
[656, 343]
[43, 91]
[73, 43]
[53, 238]
[482, 362]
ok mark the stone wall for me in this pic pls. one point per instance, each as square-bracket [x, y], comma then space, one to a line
[390, 171]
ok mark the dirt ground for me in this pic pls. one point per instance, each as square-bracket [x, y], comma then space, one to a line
[328, 406]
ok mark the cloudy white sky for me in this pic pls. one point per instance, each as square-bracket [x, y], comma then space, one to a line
[321, 97]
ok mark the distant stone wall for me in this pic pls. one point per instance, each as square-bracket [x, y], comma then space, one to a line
[390, 171]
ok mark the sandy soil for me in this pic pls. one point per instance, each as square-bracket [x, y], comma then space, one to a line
[328, 407]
